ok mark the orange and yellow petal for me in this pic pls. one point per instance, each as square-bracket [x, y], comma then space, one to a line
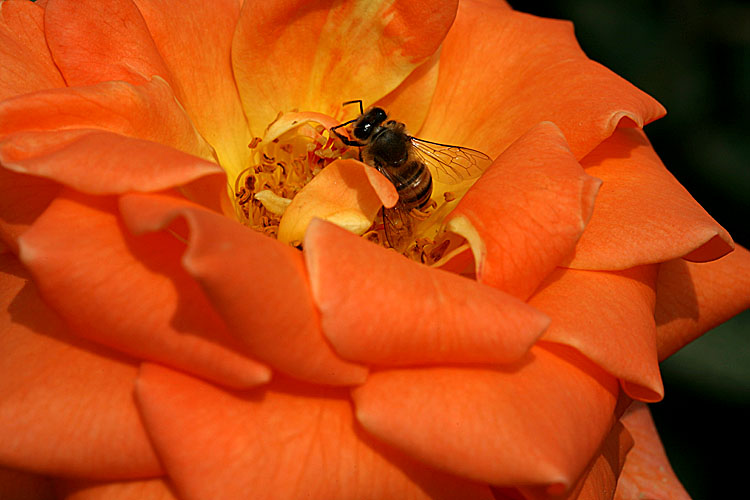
[288, 440]
[94, 42]
[25, 62]
[257, 285]
[380, 308]
[525, 214]
[295, 54]
[66, 405]
[130, 293]
[608, 317]
[23, 198]
[147, 489]
[23, 485]
[642, 214]
[647, 473]
[502, 72]
[194, 39]
[692, 298]
[506, 425]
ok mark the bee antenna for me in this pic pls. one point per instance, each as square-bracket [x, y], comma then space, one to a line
[359, 101]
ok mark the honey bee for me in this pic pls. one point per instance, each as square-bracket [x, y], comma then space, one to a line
[409, 163]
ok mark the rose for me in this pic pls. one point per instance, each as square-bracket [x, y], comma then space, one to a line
[113, 119]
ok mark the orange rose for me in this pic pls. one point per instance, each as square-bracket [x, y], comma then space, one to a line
[155, 346]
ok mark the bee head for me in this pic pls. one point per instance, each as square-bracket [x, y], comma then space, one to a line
[368, 122]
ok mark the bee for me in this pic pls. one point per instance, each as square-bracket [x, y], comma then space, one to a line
[409, 163]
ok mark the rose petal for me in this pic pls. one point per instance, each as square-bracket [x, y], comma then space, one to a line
[502, 72]
[525, 214]
[130, 293]
[330, 51]
[216, 444]
[25, 61]
[152, 489]
[66, 406]
[642, 214]
[647, 473]
[693, 298]
[22, 199]
[258, 286]
[147, 111]
[203, 78]
[93, 41]
[346, 192]
[379, 308]
[21, 485]
[509, 425]
[608, 317]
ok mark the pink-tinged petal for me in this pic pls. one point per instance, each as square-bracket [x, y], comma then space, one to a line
[22, 485]
[289, 441]
[379, 308]
[25, 61]
[692, 298]
[66, 406]
[130, 293]
[525, 214]
[609, 318]
[305, 55]
[535, 422]
[647, 473]
[195, 41]
[502, 72]
[147, 111]
[258, 285]
[346, 192]
[150, 489]
[642, 214]
[23, 198]
[93, 41]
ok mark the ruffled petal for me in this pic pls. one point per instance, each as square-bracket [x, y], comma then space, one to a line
[647, 473]
[379, 308]
[525, 214]
[151, 489]
[502, 72]
[25, 62]
[608, 317]
[22, 485]
[93, 41]
[509, 425]
[693, 298]
[66, 407]
[147, 111]
[130, 293]
[258, 285]
[215, 444]
[329, 51]
[642, 214]
[23, 198]
[195, 40]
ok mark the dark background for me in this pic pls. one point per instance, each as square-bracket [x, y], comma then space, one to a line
[694, 57]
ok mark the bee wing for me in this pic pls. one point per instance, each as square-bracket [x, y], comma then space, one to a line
[451, 164]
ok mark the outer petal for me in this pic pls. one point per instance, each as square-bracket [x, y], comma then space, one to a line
[195, 40]
[647, 473]
[257, 284]
[20, 485]
[94, 41]
[130, 293]
[608, 317]
[22, 199]
[66, 406]
[25, 61]
[314, 55]
[502, 72]
[518, 424]
[525, 214]
[642, 214]
[693, 298]
[153, 489]
[380, 308]
[216, 445]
